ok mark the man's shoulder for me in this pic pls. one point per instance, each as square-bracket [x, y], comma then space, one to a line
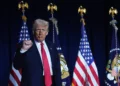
[49, 43]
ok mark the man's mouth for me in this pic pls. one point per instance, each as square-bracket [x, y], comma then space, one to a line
[39, 36]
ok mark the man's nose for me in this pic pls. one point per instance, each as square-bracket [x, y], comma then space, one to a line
[40, 31]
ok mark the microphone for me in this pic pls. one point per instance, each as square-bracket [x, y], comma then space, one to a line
[113, 23]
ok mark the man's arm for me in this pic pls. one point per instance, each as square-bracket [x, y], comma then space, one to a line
[18, 58]
[20, 54]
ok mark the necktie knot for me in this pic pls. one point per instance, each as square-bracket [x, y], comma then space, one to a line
[41, 43]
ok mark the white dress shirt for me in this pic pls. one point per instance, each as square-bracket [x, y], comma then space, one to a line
[47, 53]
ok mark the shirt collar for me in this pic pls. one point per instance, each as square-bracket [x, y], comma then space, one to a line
[39, 42]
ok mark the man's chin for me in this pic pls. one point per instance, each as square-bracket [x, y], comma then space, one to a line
[39, 40]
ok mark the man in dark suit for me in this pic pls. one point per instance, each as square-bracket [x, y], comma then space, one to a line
[38, 59]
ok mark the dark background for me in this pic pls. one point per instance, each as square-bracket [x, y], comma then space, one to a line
[97, 26]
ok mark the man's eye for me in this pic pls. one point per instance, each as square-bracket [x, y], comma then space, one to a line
[43, 29]
[40, 30]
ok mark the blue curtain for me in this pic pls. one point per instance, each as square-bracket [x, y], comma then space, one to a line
[97, 27]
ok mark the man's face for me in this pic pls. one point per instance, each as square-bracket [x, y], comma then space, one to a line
[40, 33]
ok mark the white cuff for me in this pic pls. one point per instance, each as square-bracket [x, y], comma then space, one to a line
[22, 51]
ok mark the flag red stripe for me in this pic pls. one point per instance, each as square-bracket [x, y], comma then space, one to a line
[89, 79]
[85, 71]
[10, 83]
[20, 71]
[81, 64]
[94, 74]
[77, 72]
[79, 76]
[74, 82]
[15, 77]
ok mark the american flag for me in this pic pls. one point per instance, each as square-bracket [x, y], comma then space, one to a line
[15, 75]
[85, 71]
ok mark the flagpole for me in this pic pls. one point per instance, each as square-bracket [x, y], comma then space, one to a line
[64, 71]
[16, 74]
[51, 7]
[82, 11]
[22, 5]
[113, 22]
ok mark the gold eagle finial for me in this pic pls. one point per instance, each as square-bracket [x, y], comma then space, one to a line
[112, 12]
[22, 5]
[82, 11]
[52, 7]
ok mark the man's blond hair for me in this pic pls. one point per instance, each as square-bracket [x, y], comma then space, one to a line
[41, 22]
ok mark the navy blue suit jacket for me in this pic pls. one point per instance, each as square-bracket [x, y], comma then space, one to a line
[32, 69]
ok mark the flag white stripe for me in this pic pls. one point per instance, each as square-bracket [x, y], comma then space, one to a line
[13, 81]
[93, 65]
[17, 73]
[77, 80]
[89, 83]
[95, 68]
[91, 76]
[81, 72]
[82, 59]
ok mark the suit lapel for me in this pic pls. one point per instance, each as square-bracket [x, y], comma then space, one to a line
[37, 54]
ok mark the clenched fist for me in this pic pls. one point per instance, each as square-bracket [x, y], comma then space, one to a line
[27, 44]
